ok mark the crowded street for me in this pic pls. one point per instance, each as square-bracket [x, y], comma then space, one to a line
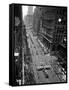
[41, 60]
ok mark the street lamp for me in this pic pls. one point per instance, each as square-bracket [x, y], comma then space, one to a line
[16, 54]
[59, 20]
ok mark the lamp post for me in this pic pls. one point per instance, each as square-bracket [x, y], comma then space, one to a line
[23, 81]
[23, 65]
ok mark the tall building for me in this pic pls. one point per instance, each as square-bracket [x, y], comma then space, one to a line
[36, 20]
[30, 10]
[29, 18]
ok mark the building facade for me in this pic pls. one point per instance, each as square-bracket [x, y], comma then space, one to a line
[51, 25]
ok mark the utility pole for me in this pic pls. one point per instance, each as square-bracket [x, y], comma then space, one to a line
[22, 54]
[23, 65]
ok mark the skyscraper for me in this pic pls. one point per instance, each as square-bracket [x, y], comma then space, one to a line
[30, 10]
[29, 17]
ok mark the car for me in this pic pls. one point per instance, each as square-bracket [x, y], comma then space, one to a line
[40, 68]
[47, 67]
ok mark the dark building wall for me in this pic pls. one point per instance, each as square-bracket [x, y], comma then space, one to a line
[61, 25]
[60, 36]
[16, 43]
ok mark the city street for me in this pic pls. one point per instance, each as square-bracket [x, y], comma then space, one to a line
[38, 45]
[45, 75]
